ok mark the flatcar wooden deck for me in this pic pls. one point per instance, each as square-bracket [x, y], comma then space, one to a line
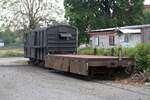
[87, 64]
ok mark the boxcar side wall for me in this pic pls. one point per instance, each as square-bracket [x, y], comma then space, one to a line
[35, 44]
[59, 39]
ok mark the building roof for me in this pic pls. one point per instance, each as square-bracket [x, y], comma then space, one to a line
[147, 6]
[50, 26]
[103, 30]
[130, 31]
[125, 29]
[136, 26]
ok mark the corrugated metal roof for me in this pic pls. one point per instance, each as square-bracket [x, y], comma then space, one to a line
[130, 31]
[136, 26]
[101, 30]
[125, 27]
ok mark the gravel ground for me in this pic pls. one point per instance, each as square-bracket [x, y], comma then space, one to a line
[24, 82]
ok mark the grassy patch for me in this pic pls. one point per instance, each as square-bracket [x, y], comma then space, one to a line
[11, 52]
[90, 51]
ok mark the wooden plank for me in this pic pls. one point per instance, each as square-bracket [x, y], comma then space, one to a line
[79, 67]
[58, 63]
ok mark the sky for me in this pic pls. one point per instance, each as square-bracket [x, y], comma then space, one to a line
[147, 2]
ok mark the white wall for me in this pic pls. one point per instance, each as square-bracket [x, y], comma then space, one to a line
[133, 40]
[101, 41]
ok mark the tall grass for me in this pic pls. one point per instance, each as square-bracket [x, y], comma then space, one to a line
[91, 51]
[11, 52]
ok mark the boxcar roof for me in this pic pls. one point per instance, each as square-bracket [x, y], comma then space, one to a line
[51, 26]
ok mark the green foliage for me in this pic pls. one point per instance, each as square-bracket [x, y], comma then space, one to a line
[127, 52]
[86, 51]
[147, 17]
[104, 52]
[90, 51]
[10, 38]
[93, 14]
[143, 57]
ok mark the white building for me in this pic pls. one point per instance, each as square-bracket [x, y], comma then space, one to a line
[1, 43]
[128, 36]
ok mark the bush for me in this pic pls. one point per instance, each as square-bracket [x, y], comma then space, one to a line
[143, 57]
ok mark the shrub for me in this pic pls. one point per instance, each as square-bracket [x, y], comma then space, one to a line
[143, 57]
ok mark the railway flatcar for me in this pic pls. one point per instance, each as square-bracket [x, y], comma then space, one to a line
[55, 47]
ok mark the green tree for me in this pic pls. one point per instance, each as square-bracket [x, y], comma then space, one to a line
[8, 36]
[28, 14]
[93, 14]
[147, 17]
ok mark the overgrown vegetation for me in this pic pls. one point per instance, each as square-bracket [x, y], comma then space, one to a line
[90, 51]
[141, 53]
[142, 57]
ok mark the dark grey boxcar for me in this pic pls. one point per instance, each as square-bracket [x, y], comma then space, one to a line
[56, 39]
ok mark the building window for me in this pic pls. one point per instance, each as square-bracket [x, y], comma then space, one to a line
[111, 40]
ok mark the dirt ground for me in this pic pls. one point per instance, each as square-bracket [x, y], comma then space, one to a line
[19, 81]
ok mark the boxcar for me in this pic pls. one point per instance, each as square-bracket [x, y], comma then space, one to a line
[56, 39]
